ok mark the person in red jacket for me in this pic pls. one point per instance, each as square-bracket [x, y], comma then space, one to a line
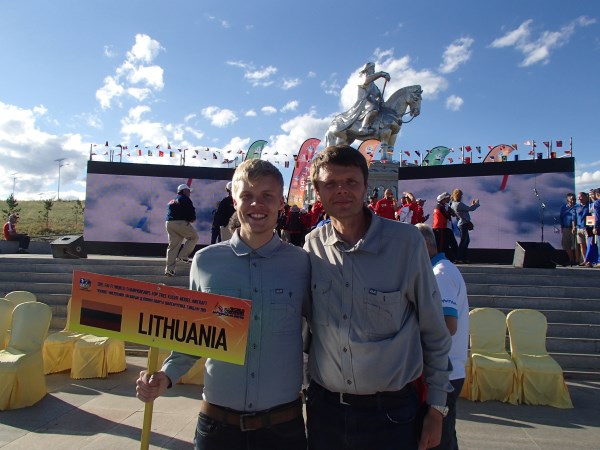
[316, 213]
[387, 206]
[372, 202]
[418, 213]
[10, 234]
[442, 227]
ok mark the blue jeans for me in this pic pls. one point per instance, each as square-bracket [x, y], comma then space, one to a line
[334, 426]
[214, 435]
[449, 440]
[463, 247]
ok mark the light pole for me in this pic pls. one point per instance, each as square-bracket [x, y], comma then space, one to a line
[60, 164]
[14, 175]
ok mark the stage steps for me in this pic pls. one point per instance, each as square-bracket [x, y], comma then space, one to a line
[569, 297]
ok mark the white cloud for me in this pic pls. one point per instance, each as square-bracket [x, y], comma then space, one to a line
[189, 117]
[296, 131]
[587, 180]
[268, 110]
[250, 113]
[331, 86]
[311, 74]
[290, 83]
[454, 103]
[109, 51]
[540, 49]
[219, 117]
[134, 71]
[261, 77]
[457, 53]
[290, 106]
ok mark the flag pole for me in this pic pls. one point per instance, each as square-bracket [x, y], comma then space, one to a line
[532, 149]
[90, 152]
[462, 153]
[571, 146]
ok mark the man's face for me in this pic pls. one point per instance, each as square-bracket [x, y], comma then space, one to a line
[570, 200]
[258, 204]
[342, 190]
[389, 194]
[582, 199]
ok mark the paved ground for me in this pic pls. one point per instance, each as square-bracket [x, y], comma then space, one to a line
[104, 414]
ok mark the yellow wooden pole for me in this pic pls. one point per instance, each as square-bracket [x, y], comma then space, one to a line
[147, 425]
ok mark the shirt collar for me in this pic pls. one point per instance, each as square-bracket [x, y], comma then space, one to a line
[240, 248]
[369, 242]
[437, 258]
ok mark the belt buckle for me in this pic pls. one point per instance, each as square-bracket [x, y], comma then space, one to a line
[342, 402]
[243, 426]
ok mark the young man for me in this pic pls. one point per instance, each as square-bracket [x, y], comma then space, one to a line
[373, 331]
[181, 214]
[257, 405]
[455, 305]
[10, 233]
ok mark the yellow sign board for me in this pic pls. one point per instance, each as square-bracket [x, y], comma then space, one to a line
[160, 316]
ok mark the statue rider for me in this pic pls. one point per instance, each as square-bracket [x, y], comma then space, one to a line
[369, 100]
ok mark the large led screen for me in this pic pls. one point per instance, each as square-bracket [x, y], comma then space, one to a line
[516, 198]
[126, 204]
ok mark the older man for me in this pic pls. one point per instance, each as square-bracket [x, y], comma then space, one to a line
[181, 214]
[10, 233]
[376, 321]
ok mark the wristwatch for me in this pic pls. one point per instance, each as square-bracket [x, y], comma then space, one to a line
[442, 409]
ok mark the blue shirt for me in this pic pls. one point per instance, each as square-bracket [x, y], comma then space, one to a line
[581, 212]
[567, 216]
[276, 278]
[181, 208]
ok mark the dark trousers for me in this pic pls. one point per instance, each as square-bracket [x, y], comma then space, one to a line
[215, 235]
[446, 242]
[463, 247]
[449, 440]
[331, 425]
[214, 435]
[23, 240]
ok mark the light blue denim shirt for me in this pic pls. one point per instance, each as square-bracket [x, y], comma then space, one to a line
[276, 278]
[377, 318]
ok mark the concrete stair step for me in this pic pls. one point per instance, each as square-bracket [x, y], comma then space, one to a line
[520, 279]
[577, 374]
[581, 331]
[578, 360]
[572, 345]
[561, 316]
[533, 302]
[532, 291]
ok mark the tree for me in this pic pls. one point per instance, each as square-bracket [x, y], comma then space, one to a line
[78, 209]
[45, 214]
[12, 206]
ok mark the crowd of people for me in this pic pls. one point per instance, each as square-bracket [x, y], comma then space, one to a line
[380, 364]
[579, 228]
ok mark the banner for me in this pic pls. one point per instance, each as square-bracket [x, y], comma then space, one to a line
[369, 148]
[496, 153]
[301, 172]
[255, 150]
[436, 156]
[160, 316]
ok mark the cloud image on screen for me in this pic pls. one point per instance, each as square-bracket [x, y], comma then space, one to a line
[127, 208]
[510, 210]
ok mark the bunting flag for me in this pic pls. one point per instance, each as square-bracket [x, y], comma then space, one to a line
[215, 156]
[161, 153]
[255, 150]
[547, 144]
[407, 152]
[139, 152]
[149, 152]
[417, 152]
[468, 148]
[368, 149]
[450, 160]
[168, 146]
[297, 188]
[478, 148]
[286, 164]
[436, 156]
[515, 146]
[158, 146]
[559, 143]
[172, 154]
[106, 145]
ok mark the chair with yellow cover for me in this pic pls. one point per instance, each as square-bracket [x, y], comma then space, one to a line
[58, 348]
[6, 309]
[22, 381]
[539, 376]
[493, 373]
[18, 297]
[97, 356]
[193, 376]
[466, 389]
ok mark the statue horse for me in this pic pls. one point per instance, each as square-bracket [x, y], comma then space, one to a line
[387, 123]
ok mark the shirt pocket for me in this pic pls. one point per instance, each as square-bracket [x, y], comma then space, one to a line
[285, 311]
[385, 313]
[321, 292]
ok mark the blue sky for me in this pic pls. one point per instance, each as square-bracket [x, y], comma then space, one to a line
[222, 74]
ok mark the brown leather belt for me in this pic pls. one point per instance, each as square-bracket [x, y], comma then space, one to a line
[253, 421]
[388, 399]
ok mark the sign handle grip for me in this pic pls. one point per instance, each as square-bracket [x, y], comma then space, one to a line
[147, 424]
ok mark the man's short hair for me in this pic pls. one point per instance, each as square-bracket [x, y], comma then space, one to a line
[341, 155]
[428, 235]
[254, 169]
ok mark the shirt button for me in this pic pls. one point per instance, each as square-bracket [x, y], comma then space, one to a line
[252, 375]
[345, 317]
[249, 405]
[254, 346]
[345, 349]
[347, 284]
[256, 317]
[348, 381]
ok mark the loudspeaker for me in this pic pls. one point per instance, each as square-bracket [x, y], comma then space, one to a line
[68, 247]
[534, 254]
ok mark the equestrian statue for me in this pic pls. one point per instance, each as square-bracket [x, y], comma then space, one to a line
[371, 117]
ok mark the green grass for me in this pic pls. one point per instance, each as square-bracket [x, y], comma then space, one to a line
[63, 218]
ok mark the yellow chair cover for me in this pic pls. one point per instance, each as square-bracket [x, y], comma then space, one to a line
[466, 389]
[6, 309]
[539, 376]
[493, 374]
[96, 357]
[193, 376]
[18, 297]
[22, 381]
[58, 348]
